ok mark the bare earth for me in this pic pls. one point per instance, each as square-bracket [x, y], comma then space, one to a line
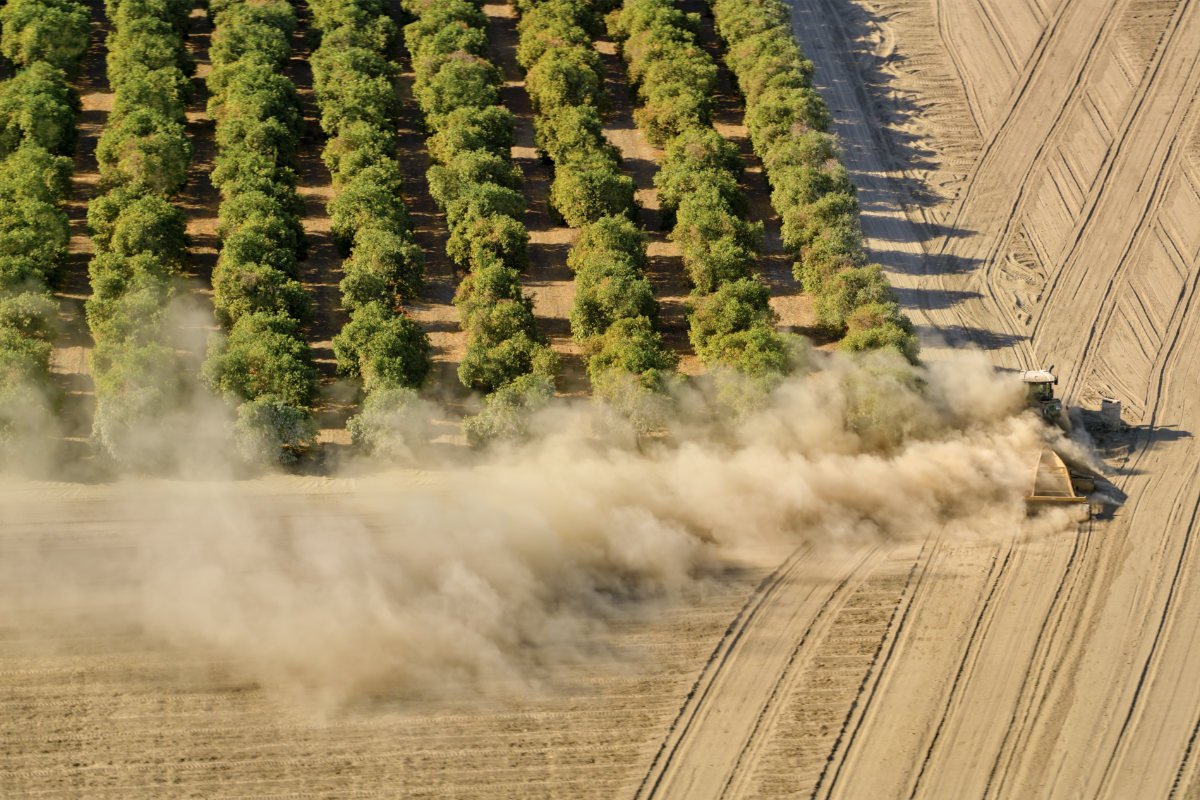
[1029, 172]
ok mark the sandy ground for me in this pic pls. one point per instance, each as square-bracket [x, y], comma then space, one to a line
[1030, 177]
[99, 708]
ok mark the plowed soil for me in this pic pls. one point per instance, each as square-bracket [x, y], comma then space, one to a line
[1029, 172]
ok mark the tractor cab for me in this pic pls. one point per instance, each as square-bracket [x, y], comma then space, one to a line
[1039, 395]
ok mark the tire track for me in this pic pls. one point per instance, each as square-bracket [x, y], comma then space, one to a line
[1040, 65]
[1139, 124]
[1080, 592]
[897, 242]
[1002, 199]
[1063, 665]
[1109, 307]
[999, 572]
[891, 637]
[1173, 351]
[783, 609]
[1036, 672]
[1146, 672]
[816, 718]
[943, 27]
[894, 640]
[738, 779]
[1184, 762]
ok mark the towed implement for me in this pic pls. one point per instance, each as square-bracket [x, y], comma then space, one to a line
[1053, 482]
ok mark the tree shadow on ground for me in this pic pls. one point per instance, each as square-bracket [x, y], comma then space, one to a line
[931, 299]
[957, 336]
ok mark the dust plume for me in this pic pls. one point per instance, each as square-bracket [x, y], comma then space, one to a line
[504, 566]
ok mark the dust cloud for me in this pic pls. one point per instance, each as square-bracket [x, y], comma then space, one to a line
[498, 568]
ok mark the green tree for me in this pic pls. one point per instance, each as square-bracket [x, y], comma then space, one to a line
[463, 80]
[698, 155]
[585, 190]
[372, 198]
[565, 76]
[137, 387]
[734, 306]
[507, 411]
[876, 326]
[162, 91]
[147, 224]
[605, 295]
[269, 430]
[37, 106]
[262, 355]
[392, 421]
[383, 267]
[633, 347]
[470, 128]
[33, 173]
[144, 44]
[242, 288]
[33, 241]
[386, 350]
[51, 31]
[145, 151]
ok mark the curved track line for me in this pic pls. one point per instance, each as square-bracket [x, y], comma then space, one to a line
[1151, 658]
[1120, 146]
[700, 701]
[875, 671]
[939, 14]
[999, 573]
[896, 638]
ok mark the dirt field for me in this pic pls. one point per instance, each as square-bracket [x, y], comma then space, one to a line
[1029, 172]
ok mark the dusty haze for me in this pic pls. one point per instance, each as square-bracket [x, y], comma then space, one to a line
[501, 567]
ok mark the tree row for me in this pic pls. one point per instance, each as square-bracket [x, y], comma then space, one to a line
[138, 235]
[810, 189]
[45, 40]
[614, 316]
[261, 363]
[731, 324]
[474, 181]
[354, 84]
